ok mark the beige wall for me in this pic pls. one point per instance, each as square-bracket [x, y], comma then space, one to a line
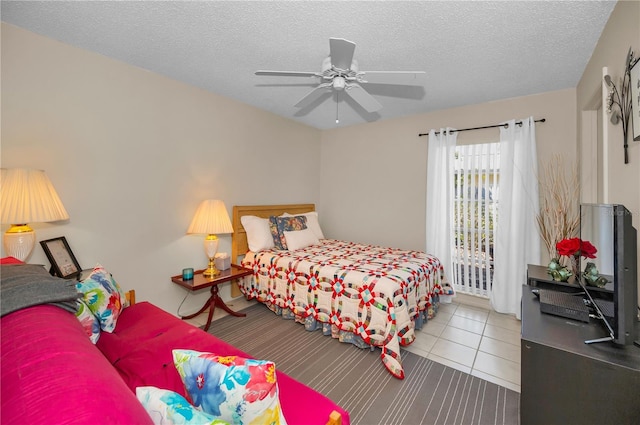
[622, 181]
[621, 32]
[374, 175]
[132, 153]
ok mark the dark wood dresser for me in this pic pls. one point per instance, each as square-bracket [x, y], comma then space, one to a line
[565, 381]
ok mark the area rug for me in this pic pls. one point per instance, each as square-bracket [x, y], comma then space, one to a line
[356, 379]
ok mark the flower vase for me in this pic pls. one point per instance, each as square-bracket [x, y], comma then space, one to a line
[574, 261]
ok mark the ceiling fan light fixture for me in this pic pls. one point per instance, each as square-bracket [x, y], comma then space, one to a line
[340, 73]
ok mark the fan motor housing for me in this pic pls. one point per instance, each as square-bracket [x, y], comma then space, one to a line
[327, 66]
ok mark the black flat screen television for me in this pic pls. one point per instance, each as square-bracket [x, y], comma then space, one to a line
[609, 229]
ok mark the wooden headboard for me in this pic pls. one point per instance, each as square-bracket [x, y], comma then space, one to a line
[239, 245]
[131, 296]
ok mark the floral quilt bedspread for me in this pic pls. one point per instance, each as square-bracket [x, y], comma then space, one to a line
[374, 292]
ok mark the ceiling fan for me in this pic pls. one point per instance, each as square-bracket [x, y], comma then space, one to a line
[340, 73]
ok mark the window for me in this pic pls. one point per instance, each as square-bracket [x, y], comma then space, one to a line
[476, 177]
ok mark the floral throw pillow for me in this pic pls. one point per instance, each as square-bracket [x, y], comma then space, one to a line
[89, 322]
[103, 296]
[168, 407]
[278, 225]
[240, 391]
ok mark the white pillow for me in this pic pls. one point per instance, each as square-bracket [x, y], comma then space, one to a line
[258, 233]
[299, 239]
[312, 223]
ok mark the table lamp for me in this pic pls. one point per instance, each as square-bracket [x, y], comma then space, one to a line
[211, 218]
[27, 196]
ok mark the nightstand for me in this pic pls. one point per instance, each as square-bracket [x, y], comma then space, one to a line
[200, 282]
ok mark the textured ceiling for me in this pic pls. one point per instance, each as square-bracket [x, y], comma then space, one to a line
[472, 51]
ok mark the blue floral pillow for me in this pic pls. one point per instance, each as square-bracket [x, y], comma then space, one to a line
[240, 391]
[278, 225]
[168, 407]
[103, 296]
[89, 322]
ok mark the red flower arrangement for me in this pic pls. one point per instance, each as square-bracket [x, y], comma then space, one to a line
[575, 247]
[571, 248]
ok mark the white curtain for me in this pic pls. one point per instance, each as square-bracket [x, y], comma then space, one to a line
[517, 242]
[440, 165]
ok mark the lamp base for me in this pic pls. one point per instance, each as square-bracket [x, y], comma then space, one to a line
[210, 249]
[211, 271]
[19, 241]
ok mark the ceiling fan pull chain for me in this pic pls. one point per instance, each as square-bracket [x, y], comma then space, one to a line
[337, 102]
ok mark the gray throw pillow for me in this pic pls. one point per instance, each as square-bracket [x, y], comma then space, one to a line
[26, 285]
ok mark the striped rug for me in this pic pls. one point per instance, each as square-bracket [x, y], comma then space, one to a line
[356, 379]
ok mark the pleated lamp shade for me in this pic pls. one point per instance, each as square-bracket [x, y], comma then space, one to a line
[211, 218]
[27, 196]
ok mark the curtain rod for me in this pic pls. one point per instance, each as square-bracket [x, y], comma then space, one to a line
[486, 126]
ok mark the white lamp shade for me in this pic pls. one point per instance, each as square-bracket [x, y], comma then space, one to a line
[211, 218]
[27, 196]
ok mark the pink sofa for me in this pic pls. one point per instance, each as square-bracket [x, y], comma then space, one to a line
[52, 373]
[140, 350]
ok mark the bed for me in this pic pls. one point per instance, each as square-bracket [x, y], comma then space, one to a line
[367, 295]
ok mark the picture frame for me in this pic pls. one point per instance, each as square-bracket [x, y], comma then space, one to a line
[63, 262]
[634, 82]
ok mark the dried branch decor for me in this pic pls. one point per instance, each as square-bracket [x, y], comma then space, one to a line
[559, 215]
[619, 102]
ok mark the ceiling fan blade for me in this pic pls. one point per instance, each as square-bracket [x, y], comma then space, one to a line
[341, 52]
[408, 78]
[360, 95]
[288, 73]
[313, 95]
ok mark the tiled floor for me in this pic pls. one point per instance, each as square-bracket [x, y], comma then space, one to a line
[475, 340]
[470, 338]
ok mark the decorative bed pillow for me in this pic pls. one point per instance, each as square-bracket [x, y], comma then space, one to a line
[312, 223]
[103, 296]
[273, 229]
[168, 407]
[299, 239]
[240, 391]
[279, 225]
[258, 233]
[89, 322]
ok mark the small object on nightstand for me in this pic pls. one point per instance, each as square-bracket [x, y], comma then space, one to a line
[187, 274]
[222, 261]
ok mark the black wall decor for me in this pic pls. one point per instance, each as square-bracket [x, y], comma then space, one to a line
[619, 102]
